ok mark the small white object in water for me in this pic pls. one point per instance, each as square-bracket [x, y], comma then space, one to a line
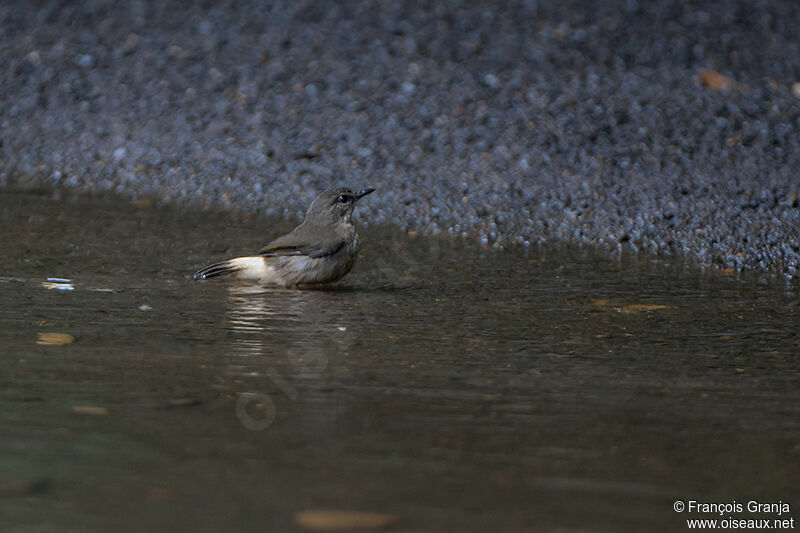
[145, 307]
[58, 284]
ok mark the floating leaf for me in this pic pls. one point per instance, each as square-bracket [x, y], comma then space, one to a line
[631, 308]
[144, 202]
[89, 410]
[54, 339]
[575, 341]
[157, 494]
[319, 520]
[645, 307]
[180, 402]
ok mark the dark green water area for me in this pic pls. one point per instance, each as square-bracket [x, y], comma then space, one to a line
[450, 386]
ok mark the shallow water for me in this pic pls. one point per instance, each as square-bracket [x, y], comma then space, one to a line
[454, 387]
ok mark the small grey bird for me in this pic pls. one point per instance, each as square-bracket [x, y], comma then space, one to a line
[322, 249]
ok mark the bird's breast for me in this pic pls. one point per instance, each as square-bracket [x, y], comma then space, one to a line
[304, 270]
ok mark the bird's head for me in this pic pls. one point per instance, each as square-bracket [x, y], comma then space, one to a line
[334, 205]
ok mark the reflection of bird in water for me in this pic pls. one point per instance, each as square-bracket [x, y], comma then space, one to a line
[283, 348]
[258, 319]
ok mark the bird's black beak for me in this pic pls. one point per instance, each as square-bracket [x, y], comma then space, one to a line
[363, 192]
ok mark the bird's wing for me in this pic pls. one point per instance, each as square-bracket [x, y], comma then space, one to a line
[290, 245]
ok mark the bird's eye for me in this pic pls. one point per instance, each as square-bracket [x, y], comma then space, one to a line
[342, 199]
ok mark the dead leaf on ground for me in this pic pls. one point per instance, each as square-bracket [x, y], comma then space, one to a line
[54, 339]
[320, 520]
[712, 79]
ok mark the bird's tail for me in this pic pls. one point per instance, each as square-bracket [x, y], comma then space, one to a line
[244, 267]
[223, 268]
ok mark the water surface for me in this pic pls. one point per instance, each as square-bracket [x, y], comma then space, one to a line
[454, 387]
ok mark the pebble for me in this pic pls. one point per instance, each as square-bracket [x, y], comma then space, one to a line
[85, 61]
[580, 128]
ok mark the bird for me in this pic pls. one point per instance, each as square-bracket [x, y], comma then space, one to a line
[321, 249]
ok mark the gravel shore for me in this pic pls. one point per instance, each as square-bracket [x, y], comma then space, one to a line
[666, 126]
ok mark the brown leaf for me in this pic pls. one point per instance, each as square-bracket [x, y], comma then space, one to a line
[89, 410]
[181, 402]
[631, 308]
[645, 307]
[575, 341]
[144, 202]
[712, 79]
[320, 520]
[54, 339]
[157, 494]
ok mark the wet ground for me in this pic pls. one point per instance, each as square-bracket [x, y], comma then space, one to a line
[450, 386]
[664, 126]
